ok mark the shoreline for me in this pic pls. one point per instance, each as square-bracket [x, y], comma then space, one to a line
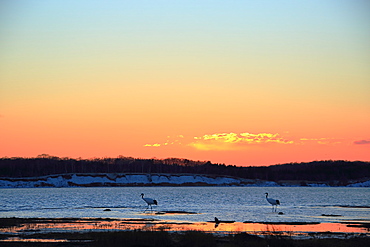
[15, 225]
[132, 232]
[69, 180]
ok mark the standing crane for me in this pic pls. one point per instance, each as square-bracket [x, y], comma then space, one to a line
[149, 201]
[273, 202]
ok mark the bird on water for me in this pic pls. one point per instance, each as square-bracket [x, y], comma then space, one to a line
[149, 201]
[217, 222]
[273, 202]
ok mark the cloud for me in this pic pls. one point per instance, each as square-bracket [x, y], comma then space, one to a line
[234, 141]
[153, 145]
[361, 142]
[241, 141]
[244, 138]
[174, 140]
[224, 141]
[322, 141]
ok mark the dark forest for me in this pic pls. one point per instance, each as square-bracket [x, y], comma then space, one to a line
[327, 170]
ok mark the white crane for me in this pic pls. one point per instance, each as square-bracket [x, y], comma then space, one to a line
[149, 201]
[273, 202]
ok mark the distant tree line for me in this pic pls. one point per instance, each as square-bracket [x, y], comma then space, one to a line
[43, 165]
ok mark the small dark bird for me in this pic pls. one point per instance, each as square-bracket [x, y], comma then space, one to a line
[217, 222]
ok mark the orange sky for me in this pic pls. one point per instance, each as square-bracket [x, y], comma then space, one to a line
[235, 83]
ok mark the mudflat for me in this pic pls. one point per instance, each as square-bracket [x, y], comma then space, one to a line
[111, 232]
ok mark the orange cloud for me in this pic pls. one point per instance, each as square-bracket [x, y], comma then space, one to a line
[227, 141]
[323, 141]
[168, 142]
[153, 145]
[234, 141]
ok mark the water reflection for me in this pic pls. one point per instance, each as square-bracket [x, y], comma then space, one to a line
[38, 240]
[80, 225]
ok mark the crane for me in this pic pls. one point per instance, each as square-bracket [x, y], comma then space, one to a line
[149, 201]
[273, 202]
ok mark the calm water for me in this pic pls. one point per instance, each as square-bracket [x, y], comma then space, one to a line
[299, 204]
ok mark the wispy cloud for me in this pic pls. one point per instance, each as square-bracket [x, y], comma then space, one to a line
[170, 141]
[234, 141]
[323, 140]
[227, 141]
[241, 141]
[361, 142]
[154, 145]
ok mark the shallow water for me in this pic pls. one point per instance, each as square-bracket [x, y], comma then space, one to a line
[240, 204]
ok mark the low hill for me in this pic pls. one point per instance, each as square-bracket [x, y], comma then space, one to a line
[332, 172]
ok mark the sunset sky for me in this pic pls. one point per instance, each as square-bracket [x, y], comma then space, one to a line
[235, 82]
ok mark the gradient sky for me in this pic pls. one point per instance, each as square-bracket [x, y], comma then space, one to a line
[234, 82]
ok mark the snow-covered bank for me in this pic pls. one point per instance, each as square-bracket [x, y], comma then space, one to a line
[360, 184]
[91, 180]
[109, 179]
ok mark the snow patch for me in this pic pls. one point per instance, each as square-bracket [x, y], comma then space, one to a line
[362, 184]
[73, 180]
[317, 185]
[95, 180]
